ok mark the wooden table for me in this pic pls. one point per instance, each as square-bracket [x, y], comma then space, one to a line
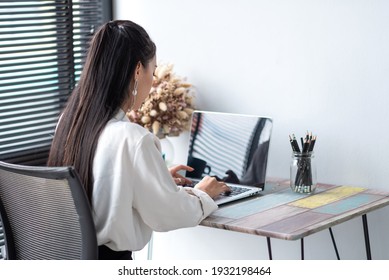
[281, 213]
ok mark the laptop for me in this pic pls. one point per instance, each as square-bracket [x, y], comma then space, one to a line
[233, 148]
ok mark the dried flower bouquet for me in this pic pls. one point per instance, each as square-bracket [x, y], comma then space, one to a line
[168, 108]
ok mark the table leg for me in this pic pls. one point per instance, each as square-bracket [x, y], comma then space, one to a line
[367, 239]
[302, 248]
[269, 248]
[334, 243]
[367, 242]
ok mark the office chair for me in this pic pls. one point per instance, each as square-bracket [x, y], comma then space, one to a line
[2, 244]
[45, 214]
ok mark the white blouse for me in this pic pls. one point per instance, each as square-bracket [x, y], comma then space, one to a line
[134, 192]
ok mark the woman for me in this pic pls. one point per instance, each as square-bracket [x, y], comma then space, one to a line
[131, 190]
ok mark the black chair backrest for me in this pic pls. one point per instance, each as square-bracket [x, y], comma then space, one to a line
[45, 214]
[2, 244]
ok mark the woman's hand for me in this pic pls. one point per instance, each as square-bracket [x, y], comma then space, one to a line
[178, 178]
[212, 187]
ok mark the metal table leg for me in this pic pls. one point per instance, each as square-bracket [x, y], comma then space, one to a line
[367, 242]
[367, 239]
[334, 243]
[269, 248]
[302, 248]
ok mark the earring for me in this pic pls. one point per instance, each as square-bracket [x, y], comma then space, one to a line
[135, 90]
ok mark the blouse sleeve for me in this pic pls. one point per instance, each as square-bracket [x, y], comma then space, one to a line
[159, 201]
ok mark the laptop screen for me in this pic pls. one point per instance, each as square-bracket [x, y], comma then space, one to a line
[233, 148]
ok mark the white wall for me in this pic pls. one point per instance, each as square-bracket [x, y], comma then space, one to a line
[321, 66]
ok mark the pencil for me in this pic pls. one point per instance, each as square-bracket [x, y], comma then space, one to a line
[312, 144]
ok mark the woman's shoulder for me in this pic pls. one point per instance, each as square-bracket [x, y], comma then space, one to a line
[124, 129]
[120, 129]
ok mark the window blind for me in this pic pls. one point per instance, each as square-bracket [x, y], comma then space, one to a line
[42, 50]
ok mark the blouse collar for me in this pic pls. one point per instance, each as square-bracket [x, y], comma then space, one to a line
[120, 115]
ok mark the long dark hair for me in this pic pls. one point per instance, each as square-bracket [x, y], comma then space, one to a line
[104, 85]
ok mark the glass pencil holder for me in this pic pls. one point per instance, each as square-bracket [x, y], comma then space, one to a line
[303, 172]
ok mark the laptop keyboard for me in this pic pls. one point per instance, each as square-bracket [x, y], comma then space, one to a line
[234, 190]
